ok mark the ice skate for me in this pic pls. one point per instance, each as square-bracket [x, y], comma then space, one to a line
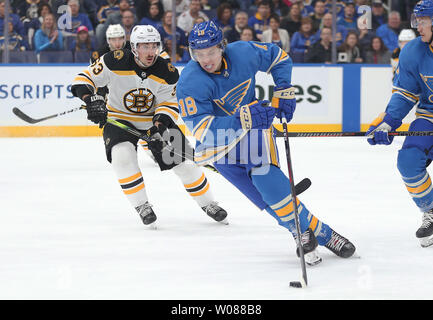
[147, 215]
[340, 245]
[425, 232]
[216, 212]
[309, 244]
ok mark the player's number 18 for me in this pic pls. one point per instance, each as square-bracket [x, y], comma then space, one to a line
[187, 107]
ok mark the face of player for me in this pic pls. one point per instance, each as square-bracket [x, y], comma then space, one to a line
[147, 53]
[424, 28]
[210, 59]
[116, 43]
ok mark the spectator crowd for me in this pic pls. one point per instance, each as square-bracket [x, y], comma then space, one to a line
[301, 28]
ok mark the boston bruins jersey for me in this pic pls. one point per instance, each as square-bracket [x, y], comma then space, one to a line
[135, 94]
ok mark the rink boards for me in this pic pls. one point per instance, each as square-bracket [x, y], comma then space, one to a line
[329, 98]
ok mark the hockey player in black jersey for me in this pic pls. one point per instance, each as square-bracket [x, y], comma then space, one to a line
[142, 95]
[116, 40]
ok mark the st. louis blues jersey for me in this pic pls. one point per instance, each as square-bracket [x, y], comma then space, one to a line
[413, 82]
[208, 101]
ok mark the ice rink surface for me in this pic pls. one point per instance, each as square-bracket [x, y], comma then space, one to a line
[68, 232]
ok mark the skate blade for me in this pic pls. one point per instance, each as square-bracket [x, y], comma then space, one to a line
[224, 222]
[426, 242]
[152, 226]
[312, 258]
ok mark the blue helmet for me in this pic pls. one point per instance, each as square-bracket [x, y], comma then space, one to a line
[423, 8]
[205, 35]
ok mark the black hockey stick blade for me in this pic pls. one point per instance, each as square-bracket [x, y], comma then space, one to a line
[302, 186]
[23, 116]
[31, 120]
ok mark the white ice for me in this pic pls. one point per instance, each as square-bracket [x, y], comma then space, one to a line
[68, 232]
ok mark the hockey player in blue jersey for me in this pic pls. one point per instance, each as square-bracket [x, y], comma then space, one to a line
[413, 83]
[216, 95]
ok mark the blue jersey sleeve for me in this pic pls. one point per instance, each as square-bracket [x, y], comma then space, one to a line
[272, 59]
[405, 88]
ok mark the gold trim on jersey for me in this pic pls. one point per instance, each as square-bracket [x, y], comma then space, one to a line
[81, 79]
[167, 103]
[124, 72]
[167, 111]
[406, 94]
[271, 145]
[130, 118]
[157, 79]
[282, 56]
[224, 66]
[213, 154]
[199, 132]
[262, 46]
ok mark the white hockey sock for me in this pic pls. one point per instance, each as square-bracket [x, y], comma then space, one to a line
[125, 164]
[195, 182]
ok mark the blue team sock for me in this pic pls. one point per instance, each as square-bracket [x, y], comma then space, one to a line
[281, 207]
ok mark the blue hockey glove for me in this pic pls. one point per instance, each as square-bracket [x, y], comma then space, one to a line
[285, 102]
[256, 115]
[379, 128]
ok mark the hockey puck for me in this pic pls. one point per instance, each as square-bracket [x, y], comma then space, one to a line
[296, 284]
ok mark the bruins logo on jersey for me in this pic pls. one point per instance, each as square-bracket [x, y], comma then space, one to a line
[118, 54]
[139, 100]
[171, 68]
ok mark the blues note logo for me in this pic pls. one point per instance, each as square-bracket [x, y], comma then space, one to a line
[428, 80]
[232, 99]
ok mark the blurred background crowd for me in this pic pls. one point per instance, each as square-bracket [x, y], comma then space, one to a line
[301, 28]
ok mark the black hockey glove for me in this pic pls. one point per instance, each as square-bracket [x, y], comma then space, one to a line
[96, 110]
[165, 120]
[154, 139]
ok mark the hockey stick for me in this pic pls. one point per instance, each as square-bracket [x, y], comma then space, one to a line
[303, 283]
[31, 120]
[300, 187]
[348, 134]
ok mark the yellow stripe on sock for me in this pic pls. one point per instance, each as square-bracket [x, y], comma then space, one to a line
[131, 178]
[284, 211]
[421, 188]
[135, 189]
[313, 223]
[199, 193]
[196, 183]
